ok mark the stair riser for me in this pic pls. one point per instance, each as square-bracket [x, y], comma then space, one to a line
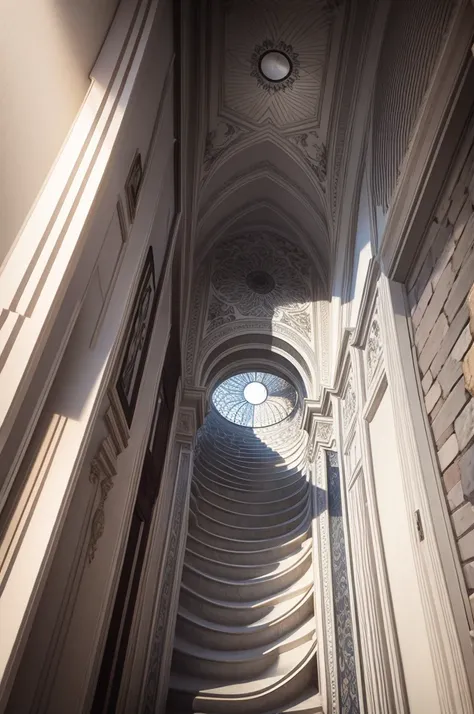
[263, 557]
[239, 592]
[247, 639]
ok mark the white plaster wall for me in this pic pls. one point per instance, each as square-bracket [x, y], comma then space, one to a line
[48, 48]
[362, 254]
[82, 378]
[408, 610]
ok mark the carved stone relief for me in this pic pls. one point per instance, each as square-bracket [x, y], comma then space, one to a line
[103, 467]
[260, 276]
[225, 135]
[349, 404]
[314, 152]
[373, 349]
[346, 666]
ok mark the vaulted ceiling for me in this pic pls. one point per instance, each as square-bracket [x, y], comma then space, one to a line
[270, 157]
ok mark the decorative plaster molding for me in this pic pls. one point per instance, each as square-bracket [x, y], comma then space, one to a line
[314, 152]
[279, 46]
[349, 403]
[103, 468]
[373, 349]
[218, 140]
[174, 545]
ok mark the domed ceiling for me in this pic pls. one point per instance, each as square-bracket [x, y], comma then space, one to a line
[255, 399]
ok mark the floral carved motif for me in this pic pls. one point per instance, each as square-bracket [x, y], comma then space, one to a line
[314, 152]
[219, 140]
[278, 46]
[261, 276]
[374, 349]
[349, 405]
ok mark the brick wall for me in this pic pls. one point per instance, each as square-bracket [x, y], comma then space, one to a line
[437, 291]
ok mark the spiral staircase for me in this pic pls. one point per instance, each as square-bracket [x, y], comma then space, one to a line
[245, 635]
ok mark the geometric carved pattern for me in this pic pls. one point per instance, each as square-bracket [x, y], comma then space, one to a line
[303, 26]
[347, 677]
[262, 276]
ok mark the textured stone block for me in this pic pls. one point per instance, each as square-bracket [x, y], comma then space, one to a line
[464, 425]
[441, 241]
[444, 258]
[468, 571]
[450, 409]
[448, 452]
[466, 546]
[436, 409]
[466, 467]
[455, 496]
[465, 243]
[463, 519]
[432, 397]
[470, 307]
[422, 305]
[433, 344]
[449, 375]
[435, 306]
[468, 371]
[444, 436]
[462, 345]
[461, 287]
[426, 382]
[449, 340]
[458, 198]
[424, 276]
[452, 476]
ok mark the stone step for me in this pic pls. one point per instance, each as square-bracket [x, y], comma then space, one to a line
[281, 621]
[237, 665]
[226, 612]
[271, 554]
[234, 571]
[278, 687]
[251, 589]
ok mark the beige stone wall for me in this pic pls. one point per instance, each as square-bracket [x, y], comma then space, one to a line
[48, 51]
[437, 291]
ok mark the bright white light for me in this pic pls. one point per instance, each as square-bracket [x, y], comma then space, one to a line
[255, 393]
[275, 66]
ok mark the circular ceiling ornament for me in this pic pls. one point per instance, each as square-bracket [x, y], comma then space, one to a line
[255, 399]
[275, 65]
[260, 282]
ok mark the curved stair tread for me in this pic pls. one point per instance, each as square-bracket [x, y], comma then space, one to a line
[279, 612]
[281, 567]
[304, 582]
[273, 677]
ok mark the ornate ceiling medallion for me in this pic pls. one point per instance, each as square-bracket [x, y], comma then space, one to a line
[275, 65]
[260, 282]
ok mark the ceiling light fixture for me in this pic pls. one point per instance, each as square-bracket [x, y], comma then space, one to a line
[275, 66]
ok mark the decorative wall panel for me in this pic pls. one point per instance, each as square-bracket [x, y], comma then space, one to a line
[344, 636]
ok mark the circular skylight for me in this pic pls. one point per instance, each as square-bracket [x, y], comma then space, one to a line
[255, 393]
[275, 66]
[255, 399]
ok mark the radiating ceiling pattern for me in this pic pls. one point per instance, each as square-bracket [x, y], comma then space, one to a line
[233, 399]
[302, 30]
